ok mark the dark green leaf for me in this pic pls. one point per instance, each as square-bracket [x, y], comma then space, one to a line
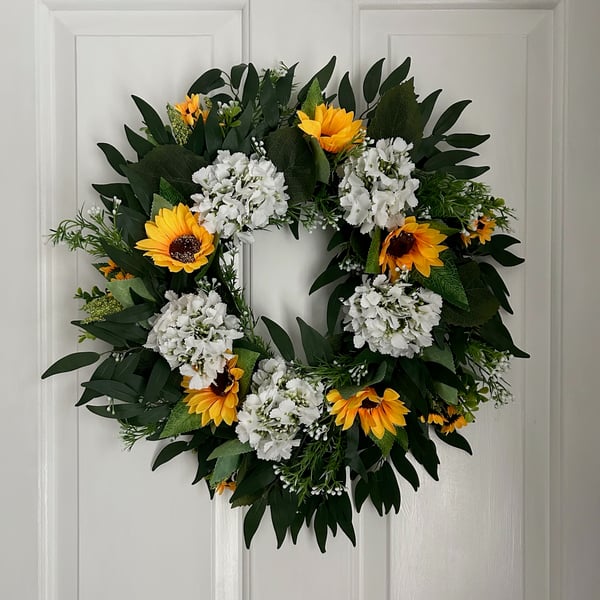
[157, 380]
[388, 486]
[283, 512]
[322, 167]
[423, 449]
[112, 389]
[397, 115]
[284, 86]
[169, 193]
[482, 306]
[168, 452]
[260, 477]
[372, 81]
[346, 97]
[497, 335]
[372, 266]
[281, 339]
[449, 117]
[236, 74]
[332, 273]
[292, 155]
[450, 158]
[323, 76]
[197, 142]
[492, 278]
[134, 314]
[71, 362]
[456, 440]
[426, 107]
[113, 156]
[105, 370]
[466, 140]
[341, 508]
[246, 361]
[153, 121]
[361, 493]
[334, 304]
[253, 518]
[320, 526]
[140, 144]
[404, 467]
[250, 86]
[268, 102]
[466, 171]
[207, 82]
[398, 75]
[224, 468]
[317, 349]
[445, 281]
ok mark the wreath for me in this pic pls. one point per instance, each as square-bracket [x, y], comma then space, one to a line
[415, 340]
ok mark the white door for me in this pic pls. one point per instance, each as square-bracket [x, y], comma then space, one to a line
[93, 521]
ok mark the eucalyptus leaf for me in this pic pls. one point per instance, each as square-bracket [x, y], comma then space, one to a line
[113, 156]
[449, 117]
[71, 362]
[153, 121]
[346, 97]
[372, 80]
[207, 82]
[280, 338]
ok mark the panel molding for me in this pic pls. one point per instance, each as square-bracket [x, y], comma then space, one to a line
[58, 26]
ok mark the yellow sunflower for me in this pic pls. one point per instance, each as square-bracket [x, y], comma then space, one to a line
[376, 413]
[225, 485]
[449, 419]
[112, 271]
[334, 128]
[176, 240]
[190, 109]
[483, 229]
[434, 418]
[412, 244]
[217, 402]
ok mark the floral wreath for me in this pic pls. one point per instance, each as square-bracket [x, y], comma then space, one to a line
[415, 340]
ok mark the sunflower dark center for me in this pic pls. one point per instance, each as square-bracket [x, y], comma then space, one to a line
[480, 225]
[401, 244]
[221, 383]
[366, 403]
[184, 248]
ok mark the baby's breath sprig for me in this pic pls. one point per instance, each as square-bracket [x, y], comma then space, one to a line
[90, 231]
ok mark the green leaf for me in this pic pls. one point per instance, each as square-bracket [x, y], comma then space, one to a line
[456, 440]
[133, 314]
[447, 393]
[260, 477]
[449, 117]
[466, 140]
[207, 82]
[445, 281]
[322, 168]
[450, 158]
[404, 467]
[372, 80]
[153, 121]
[236, 74]
[281, 339]
[284, 86]
[112, 389]
[398, 75]
[323, 76]
[246, 361]
[268, 102]
[121, 289]
[213, 133]
[423, 449]
[105, 370]
[372, 265]
[441, 356]
[230, 448]
[320, 526]
[291, 154]
[465, 171]
[346, 97]
[495, 333]
[250, 86]
[196, 142]
[169, 193]
[169, 452]
[317, 349]
[156, 382]
[314, 97]
[334, 304]
[224, 468]
[181, 421]
[397, 115]
[482, 306]
[253, 518]
[495, 282]
[283, 512]
[159, 202]
[140, 144]
[330, 274]
[385, 443]
[388, 486]
[426, 107]
[71, 362]
[114, 157]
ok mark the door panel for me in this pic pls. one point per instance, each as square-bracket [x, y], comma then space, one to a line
[121, 531]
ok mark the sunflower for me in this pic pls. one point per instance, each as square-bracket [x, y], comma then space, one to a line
[334, 128]
[190, 109]
[434, 418]
[412, 244]
[449, 419]
[176, 240]
[113, 272]
[482, 229]
[226, 484]
[376, 413]
[217, 402]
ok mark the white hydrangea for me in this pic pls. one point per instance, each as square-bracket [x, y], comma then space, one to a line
[392, 318]
[239, 194]
[195, 333]
[280, 405]
[377, 188]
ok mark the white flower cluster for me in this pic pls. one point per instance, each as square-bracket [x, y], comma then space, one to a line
[239, 194]
[392, 318]
[280, 405]
[377, 187]
[195, 333]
